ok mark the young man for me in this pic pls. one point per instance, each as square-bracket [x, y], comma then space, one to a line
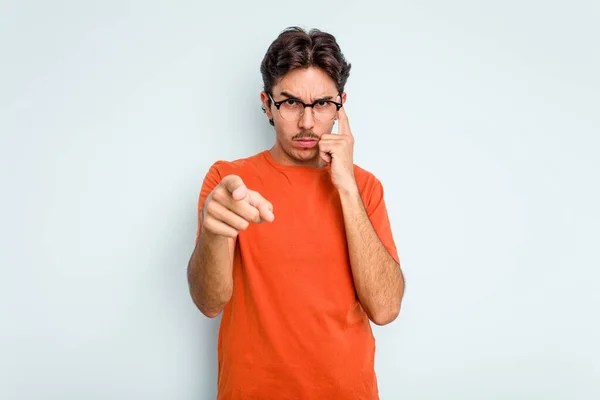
[294, 244]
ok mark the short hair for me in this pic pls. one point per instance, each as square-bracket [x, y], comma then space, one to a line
[296, 48]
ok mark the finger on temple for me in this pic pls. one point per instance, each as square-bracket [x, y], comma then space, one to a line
[343, 124]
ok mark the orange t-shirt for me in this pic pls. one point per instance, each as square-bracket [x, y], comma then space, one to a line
[294, 328]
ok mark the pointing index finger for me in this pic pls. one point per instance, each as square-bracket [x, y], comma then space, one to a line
[344, 125]
[264, 206]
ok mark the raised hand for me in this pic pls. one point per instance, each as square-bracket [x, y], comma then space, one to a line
[231, 207]
[338, 151]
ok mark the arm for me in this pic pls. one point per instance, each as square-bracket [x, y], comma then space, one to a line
[210, 273]
[377, 276]
[228, 209]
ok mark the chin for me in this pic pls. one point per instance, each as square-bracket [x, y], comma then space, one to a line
[304, 155]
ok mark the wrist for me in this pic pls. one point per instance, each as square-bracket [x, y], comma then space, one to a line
[349, 189]
[211, 239]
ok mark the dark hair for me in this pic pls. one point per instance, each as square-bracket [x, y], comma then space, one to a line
[296, 48]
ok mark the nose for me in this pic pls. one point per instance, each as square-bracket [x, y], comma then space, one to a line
[307, 120]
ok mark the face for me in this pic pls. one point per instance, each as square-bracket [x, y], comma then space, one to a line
[297, 141]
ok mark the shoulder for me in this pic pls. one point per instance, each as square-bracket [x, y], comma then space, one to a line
[366, 180]
[369, 186]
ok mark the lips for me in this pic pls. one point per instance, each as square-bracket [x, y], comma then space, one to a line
[306, 143]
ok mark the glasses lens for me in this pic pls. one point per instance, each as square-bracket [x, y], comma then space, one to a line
[291, 110]
[324, 111]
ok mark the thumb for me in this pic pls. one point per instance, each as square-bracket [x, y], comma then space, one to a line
[240, 193]
[235, 186]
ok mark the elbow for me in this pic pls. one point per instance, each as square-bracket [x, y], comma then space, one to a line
[210, 313]
[385, 315]
[210, 304]
[210, 309]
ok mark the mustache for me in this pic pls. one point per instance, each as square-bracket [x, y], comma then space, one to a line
[305, 135]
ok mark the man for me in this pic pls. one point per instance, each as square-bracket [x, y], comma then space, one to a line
[294, 244]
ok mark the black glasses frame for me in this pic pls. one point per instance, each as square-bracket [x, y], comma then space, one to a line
[304, 105]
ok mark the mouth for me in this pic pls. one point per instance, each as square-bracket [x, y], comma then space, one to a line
[306, 143]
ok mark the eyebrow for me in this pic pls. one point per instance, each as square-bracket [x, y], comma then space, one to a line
[291, 96]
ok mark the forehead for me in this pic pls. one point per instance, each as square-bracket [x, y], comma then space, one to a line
[307, 83]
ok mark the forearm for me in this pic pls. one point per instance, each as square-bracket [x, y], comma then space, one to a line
[377, 276]
[209, 274]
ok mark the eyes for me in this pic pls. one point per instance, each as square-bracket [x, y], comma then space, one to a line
[292, 109]
[295, 103]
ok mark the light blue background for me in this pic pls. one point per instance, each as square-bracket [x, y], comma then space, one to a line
[480, 118]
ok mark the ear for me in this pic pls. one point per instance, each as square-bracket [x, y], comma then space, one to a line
[264, 98]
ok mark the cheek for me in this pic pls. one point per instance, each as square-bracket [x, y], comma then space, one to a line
[285, 130]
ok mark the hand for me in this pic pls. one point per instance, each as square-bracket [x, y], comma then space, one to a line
[338, 151]
[231, 207]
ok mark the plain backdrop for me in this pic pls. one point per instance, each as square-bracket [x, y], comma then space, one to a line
[480, 118]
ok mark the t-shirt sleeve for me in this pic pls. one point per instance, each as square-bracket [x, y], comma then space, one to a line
[211, 180]
[377, 212]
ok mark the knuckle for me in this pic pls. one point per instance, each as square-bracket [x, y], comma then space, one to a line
[219, 194]
[208, 224]
[256, 195]
[244, 225]
[253, 214]
[211, 207]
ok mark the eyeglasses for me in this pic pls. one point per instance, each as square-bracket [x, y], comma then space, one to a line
[293, 109]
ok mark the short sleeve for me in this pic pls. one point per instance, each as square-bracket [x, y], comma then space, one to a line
[211, 180]
[377, 212]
